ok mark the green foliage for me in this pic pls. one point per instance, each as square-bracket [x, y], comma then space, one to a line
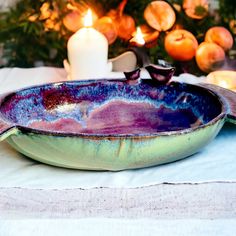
[227, 10]
[26, 41]
[28, 37]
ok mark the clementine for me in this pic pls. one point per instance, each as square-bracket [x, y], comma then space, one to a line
[220, 36]
[159, 15]
[195, 9]
[73, 21]
[125, 26]
[181, 45]
[107, 26]
[209, 56]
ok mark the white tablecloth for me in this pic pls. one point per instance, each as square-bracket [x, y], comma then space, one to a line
[208, 172]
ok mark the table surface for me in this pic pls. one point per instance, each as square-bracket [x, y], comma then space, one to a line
[201, 188]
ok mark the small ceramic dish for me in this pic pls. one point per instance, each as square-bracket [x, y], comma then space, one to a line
[114, 124]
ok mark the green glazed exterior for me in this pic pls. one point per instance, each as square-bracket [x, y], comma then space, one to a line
[114, 153]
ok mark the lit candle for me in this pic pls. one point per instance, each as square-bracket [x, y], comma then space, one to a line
[223, 78]
[88, 52]
[138, 39]
[136, 44]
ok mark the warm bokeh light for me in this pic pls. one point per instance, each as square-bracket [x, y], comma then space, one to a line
[224, 78]
[138, 37]
[88, 19]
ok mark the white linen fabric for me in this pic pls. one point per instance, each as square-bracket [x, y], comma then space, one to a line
[121, 227]
[216, 162]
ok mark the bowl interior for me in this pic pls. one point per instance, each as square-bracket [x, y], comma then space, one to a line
[111, 107]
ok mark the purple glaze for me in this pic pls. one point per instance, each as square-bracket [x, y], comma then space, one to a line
[111, 107]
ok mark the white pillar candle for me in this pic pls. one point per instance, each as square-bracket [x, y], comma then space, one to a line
[88, 52]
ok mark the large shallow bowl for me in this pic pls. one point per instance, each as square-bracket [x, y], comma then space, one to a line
[113, 125]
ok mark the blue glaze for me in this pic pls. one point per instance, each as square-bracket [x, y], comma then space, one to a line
[90, 106]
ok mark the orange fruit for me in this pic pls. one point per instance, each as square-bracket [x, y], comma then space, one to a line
[181, 45]
[220, 36]
[125, 26]
[107, 26]
[196, 9]
[159, 15]
[209, 56]
[73, 21]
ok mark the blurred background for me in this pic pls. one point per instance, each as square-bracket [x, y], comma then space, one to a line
[194, 36]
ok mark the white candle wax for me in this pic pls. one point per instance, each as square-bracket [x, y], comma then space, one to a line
[88, 54]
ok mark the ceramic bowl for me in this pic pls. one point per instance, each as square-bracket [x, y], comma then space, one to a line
[114, 124]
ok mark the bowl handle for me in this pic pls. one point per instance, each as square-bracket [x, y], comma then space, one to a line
[228, 96]
[6, 130]
[159, 75]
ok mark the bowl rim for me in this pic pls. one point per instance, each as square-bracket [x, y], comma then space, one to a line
[28, 130]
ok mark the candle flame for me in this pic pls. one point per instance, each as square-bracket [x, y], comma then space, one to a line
[138, 38]
[88, 19]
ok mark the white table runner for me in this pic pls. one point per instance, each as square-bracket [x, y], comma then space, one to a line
[118, 227]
